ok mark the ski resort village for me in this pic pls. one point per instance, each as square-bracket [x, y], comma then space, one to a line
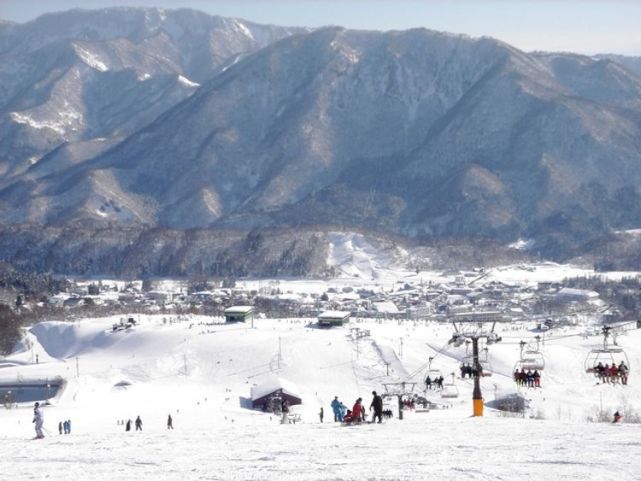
[320, 240]
[494, 373]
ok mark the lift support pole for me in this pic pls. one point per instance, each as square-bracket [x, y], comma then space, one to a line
[477, 397]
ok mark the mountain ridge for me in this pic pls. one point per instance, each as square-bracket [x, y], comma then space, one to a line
[415, 133]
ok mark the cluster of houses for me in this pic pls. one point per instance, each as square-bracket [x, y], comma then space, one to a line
[459, 292]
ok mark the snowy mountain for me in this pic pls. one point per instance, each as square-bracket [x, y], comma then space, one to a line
[76, 82]
[177, 120]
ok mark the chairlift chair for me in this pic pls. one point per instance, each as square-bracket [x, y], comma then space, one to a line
[532, 361]
[609, 355]
[605, 355]
[486, 366]
[450, 390]
[531, 357]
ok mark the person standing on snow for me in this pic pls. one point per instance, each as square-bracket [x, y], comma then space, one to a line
[128, 425]
[377, 405]
[284, 407]
[170, 422]
[321, 414]
[336, 407]
[38, 420]
[138, 424]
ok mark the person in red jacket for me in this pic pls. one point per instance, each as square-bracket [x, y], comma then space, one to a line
[358, 411]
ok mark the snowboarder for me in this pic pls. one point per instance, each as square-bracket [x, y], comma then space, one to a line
[138, 424]
[170, 422]
[336, 407]
[617, 417]
[38, 420]
[377, 405]
[321, 414]
[128, 425]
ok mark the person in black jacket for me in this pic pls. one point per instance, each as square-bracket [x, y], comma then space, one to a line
[377, 405]
[138, 424]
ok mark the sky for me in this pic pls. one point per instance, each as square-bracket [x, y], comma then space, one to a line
[583, 26]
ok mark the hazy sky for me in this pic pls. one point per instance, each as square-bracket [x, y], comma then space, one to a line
[586, 26]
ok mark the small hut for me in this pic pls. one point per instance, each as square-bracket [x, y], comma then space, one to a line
[270, 393]
[333, 318]
[239, 314]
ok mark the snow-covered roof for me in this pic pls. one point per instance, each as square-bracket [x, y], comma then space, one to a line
[572, 292]
[274, 384]
[239, 310]
[388, 307]
[334, 314]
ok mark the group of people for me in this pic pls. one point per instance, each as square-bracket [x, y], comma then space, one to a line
[64, 427]
[357, 414]
[527, 379]
[434, 383]
[471, 371]
[613, 373]
[137, 423]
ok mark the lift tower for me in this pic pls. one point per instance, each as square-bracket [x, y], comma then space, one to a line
[473, 326]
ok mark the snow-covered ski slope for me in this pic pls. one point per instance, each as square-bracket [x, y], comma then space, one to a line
[201, 371]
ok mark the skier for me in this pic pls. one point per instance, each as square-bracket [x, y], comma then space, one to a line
[377, 405]
[60, 427]
[38, 420]
[321, 414]
[170, 422]
[336, 407]
[537, 378]
[138, 424]
[623, 372]
[128, 425]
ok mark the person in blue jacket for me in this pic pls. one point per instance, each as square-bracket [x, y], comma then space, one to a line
[336, 407]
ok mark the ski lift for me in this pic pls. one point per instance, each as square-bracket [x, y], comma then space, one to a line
[432, 373]
[484, 363]
[531, 357]
[606, 355]
[450, 390]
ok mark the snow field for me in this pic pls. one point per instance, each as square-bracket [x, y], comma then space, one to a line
[201, 372]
